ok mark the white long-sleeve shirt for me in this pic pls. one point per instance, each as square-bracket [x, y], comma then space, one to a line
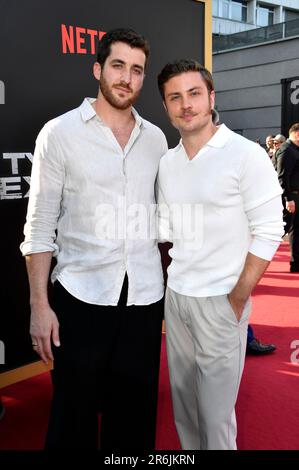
[216, 208]
[85, 187]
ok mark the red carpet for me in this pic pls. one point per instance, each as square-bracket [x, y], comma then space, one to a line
[267, 408]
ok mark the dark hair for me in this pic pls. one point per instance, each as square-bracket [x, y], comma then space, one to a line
[128, 36]
[181, 66]
[294, 128]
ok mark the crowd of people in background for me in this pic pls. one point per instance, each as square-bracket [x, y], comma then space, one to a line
[284, 153]
[273, 143]
[286, 163]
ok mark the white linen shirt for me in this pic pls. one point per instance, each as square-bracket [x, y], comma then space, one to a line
[84, 197]
[234, 188]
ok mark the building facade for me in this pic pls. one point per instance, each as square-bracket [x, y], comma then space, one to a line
[234, 16]
[251, 67]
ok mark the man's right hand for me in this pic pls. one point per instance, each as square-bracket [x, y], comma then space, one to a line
[44, 326]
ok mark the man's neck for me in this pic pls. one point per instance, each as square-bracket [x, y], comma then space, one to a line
[294, 142]
[113, 117]
[194, 142]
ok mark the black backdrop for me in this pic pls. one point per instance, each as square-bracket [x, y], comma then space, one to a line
[39, 81]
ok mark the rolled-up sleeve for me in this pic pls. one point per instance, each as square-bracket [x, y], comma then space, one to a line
[261, 194]
[266, 227]
[46, 186]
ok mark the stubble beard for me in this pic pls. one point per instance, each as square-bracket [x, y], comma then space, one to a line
[115, 102]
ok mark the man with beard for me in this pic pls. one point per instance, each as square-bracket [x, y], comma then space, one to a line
[91, 168]
[220, 205]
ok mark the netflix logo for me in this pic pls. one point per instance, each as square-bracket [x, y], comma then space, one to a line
[76, 40]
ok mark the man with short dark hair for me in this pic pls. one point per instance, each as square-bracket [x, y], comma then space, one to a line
[92, 168]
[220, 205]
[287, 166]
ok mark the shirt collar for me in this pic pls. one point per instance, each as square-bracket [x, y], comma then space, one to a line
[219, 139]
[87, 112]
[139, 121]
[86, 109]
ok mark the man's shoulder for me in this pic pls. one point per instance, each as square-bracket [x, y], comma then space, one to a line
[284, 150]
[288, 145]
[61, 122]
[247, 150]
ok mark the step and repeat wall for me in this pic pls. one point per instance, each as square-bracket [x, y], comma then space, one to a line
[47, 51]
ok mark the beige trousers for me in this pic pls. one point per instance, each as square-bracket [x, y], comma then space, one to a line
[206, 351]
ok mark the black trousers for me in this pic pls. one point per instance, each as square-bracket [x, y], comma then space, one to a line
[292, 228]
[108, 363]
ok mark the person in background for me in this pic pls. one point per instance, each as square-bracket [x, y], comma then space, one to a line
[255, 347]
[279, 139]
[270, 145]
[212, 181]
[287, 167]
[92, 167]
